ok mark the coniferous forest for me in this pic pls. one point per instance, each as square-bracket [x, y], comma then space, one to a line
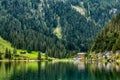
[59, 39]
[109, 38]
[59, 28]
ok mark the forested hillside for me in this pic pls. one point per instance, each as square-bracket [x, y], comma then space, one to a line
[59, 28]
[109, 38]
[4, 45]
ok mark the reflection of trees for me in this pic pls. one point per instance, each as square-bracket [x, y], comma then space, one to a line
[107, 71]
[55, 71]
[58, 71]
[5, 70]
[7, 66]
[0, 64]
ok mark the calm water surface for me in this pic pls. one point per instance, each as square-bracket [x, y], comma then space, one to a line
[59, 71]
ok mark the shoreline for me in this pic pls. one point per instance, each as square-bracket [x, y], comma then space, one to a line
[33, 60]
[22, 60]
[57, 60]
[100, 60]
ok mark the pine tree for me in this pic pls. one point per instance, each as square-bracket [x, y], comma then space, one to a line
[0, 56]
[46, 56]
[9, 55]
[6, 53]
[14, 51]
[39, 55]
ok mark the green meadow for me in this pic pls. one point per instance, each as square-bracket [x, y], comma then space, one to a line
[33, 55]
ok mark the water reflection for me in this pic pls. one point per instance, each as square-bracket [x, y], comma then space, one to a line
[59, 71]
[104, 71]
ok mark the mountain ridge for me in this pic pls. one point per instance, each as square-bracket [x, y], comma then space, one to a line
[108, 39]
[34, 25]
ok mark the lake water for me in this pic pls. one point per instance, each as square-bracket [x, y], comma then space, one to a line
[59, 71]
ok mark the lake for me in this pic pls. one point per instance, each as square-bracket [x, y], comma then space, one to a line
[59, 71]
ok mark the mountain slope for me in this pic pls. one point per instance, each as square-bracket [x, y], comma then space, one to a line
[4, 44]
[109, 38]
[60, 28]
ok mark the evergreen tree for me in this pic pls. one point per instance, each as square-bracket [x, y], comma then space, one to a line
[46, 56]
[109, 38]
[59, 29]
[9, 55]
[39, 55]
[0, 55]
[6, 53]
[14, 51]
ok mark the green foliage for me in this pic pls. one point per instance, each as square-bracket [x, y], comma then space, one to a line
[53, 26]
[8, 54]
[4, 44]
[46, 56]
[1, 55]
[109, 38]
[39, 56]
[14, 51]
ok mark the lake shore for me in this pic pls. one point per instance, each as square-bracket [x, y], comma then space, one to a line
[58, 60]
[35, 60]
[22, 60]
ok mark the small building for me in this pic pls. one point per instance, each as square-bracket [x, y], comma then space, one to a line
[81, 55]
[107, 54]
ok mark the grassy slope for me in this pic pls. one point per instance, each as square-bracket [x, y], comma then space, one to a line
[33, 55]
[5, 44]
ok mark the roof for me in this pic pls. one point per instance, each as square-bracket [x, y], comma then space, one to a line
[82, 53]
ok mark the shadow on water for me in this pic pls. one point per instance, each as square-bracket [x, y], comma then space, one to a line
[59, 71]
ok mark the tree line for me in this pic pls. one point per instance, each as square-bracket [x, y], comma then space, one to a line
[29, 25]
[109, 38]
[8, 54]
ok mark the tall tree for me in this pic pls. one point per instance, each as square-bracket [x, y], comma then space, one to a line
[7, 53]
[39, 56]
[14, 51]
[0, 55]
